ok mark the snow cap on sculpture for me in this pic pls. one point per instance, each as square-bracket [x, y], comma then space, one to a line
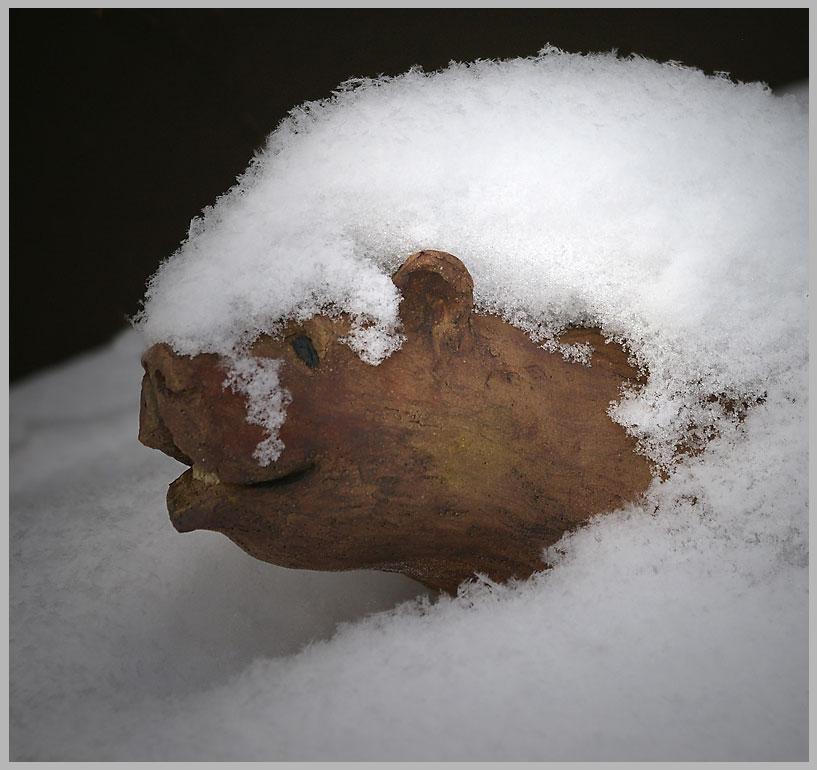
[577, 189]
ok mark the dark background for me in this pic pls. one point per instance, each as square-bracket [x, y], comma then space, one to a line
[125, 123]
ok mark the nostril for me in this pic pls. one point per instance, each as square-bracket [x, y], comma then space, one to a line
[159, 380]
[162, 386]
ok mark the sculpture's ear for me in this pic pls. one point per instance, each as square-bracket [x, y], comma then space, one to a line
[438, 292]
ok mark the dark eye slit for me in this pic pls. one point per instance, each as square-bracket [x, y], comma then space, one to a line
[305, 350]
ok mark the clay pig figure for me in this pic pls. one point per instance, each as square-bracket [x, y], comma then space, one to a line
[467, 451]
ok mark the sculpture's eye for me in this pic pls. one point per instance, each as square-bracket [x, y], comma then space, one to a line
[305, 350]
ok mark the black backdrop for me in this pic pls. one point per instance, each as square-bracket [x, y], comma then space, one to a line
[125, 123]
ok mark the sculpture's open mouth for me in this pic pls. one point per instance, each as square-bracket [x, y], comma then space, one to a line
[199, 499]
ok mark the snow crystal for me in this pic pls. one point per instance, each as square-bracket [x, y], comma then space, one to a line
[666, 207]
[257, 379]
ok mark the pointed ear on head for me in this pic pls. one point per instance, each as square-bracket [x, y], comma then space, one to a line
[438, 292]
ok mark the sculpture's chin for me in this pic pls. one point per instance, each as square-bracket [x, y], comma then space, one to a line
[198, 499]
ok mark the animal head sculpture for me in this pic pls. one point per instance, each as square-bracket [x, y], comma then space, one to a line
[468, 450]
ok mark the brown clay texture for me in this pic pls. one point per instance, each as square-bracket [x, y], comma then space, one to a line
[467, 451]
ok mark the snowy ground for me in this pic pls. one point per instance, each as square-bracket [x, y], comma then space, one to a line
[132, 642]
[676, 629]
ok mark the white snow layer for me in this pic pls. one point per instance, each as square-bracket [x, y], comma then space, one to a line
[667, 207]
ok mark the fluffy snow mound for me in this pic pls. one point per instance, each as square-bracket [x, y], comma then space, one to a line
[667, 207]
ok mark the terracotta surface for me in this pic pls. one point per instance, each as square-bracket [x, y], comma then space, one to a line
[468, 450]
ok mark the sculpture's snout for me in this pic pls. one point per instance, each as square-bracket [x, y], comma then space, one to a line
[187, 412]
[153, 430]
